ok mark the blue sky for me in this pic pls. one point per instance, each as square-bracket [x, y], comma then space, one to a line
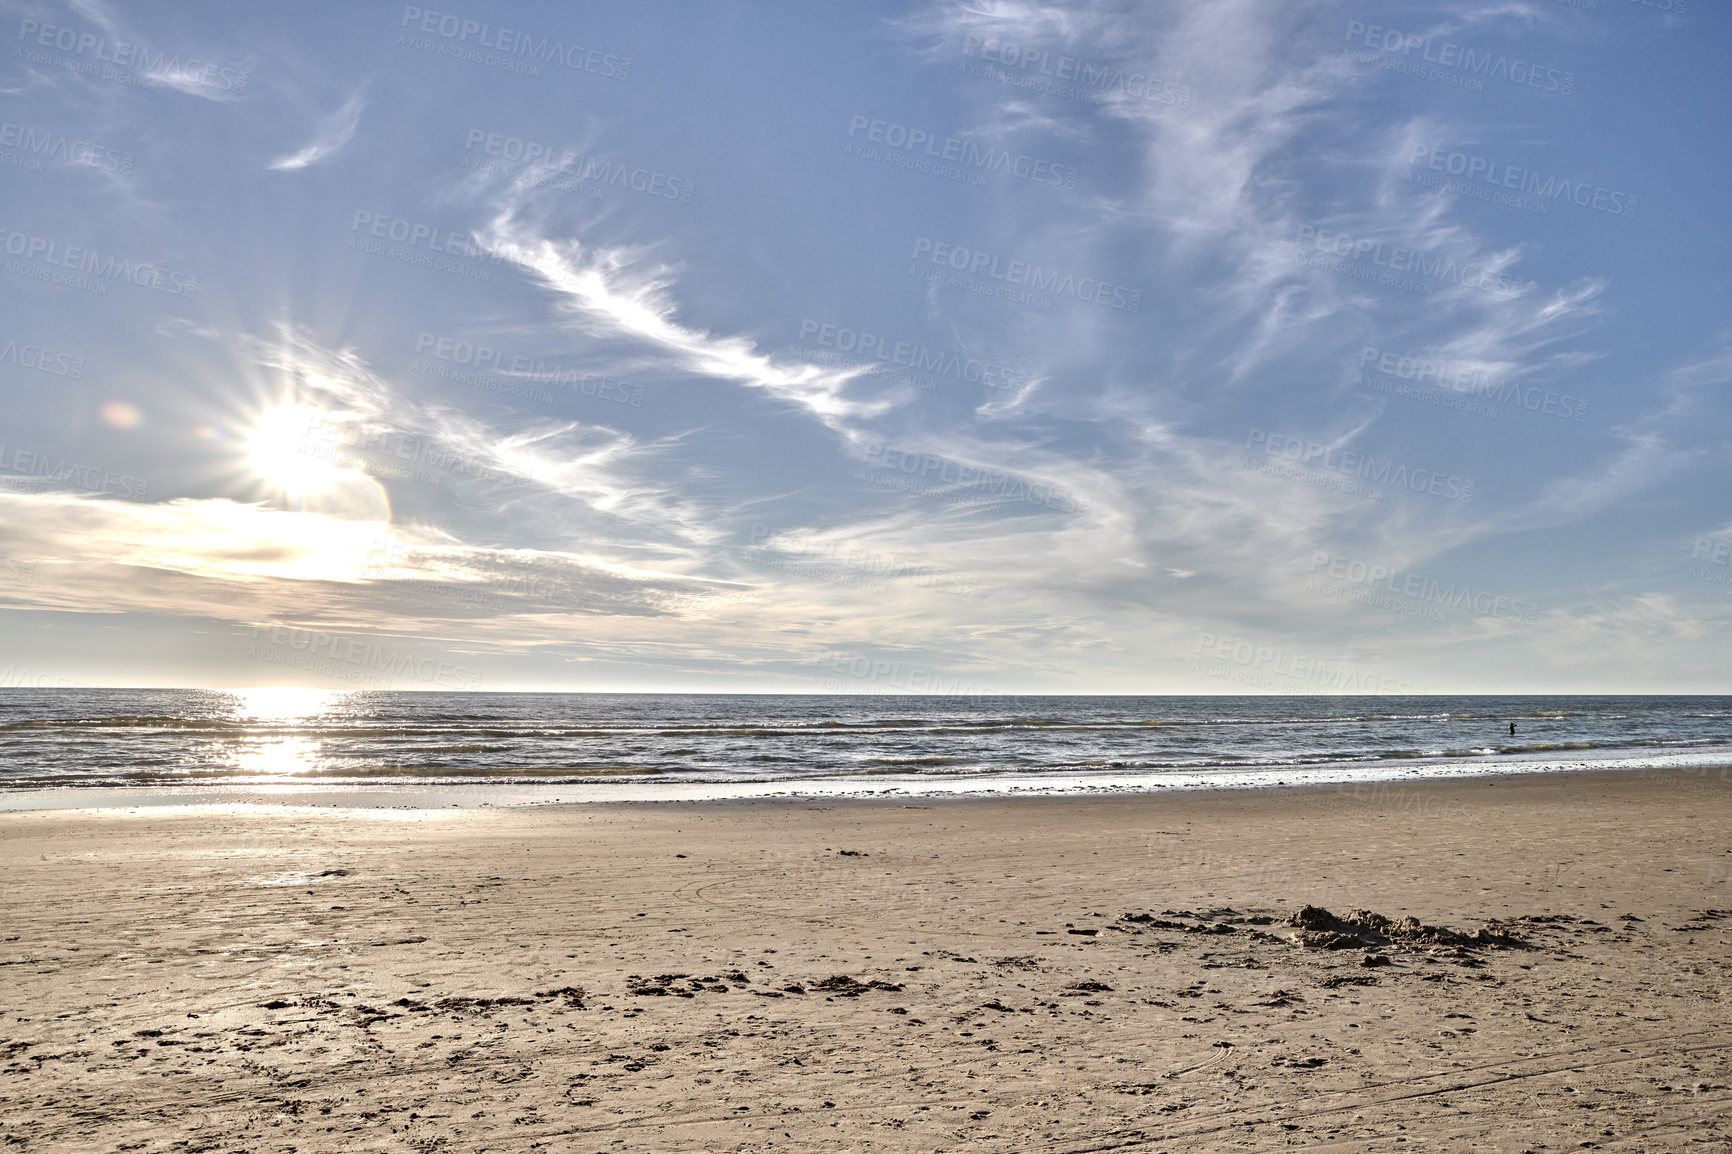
[1251, 346]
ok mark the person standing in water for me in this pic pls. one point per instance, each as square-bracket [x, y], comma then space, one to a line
[1512, 729]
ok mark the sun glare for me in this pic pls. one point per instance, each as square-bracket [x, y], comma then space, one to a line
[285, 758]
[286, 703]
[288, 452]
[279, 708]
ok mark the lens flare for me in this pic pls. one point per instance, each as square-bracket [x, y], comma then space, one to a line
[119, 414]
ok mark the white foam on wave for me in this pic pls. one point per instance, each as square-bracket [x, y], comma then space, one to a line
[411, 796]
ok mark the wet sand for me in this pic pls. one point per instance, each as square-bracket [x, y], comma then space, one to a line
[1049, 974]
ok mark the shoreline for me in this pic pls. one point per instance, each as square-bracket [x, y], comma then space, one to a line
[607, 789]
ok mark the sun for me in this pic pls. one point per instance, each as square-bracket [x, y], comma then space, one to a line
[287, 449]
[303, 457]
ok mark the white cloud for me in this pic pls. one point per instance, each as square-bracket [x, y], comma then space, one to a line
[616, 293]
[333, 133]
[251, 563]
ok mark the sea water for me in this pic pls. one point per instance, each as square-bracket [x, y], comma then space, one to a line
[94, 747]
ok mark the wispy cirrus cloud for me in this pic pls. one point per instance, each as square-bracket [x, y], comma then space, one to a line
[578, 478]
[619, 292]
[331, 137]
[1684, 428]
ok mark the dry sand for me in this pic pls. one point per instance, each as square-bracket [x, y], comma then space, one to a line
[885, 976]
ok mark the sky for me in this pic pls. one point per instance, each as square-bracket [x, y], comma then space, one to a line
[1256, 346]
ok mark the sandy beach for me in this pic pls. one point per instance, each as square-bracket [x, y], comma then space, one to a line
[1124, 973]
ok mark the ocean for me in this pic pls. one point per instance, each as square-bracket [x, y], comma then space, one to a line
[65, 747]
